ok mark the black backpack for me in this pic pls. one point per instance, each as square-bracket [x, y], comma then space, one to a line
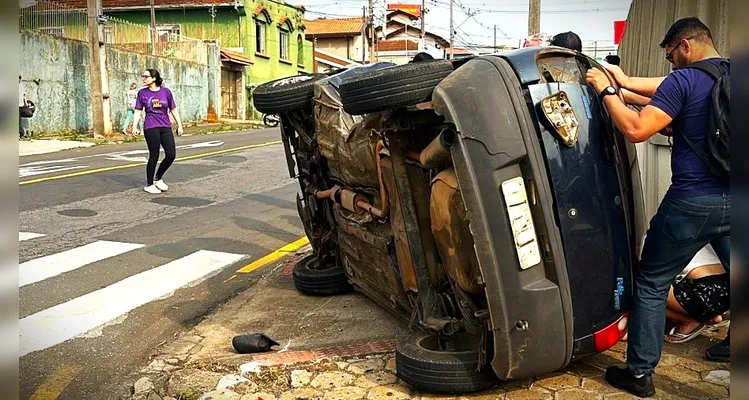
[717, 154]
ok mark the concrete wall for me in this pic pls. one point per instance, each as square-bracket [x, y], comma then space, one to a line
[62, 95]
[647, 23]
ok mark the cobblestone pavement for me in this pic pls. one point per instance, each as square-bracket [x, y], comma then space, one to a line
[192, 367]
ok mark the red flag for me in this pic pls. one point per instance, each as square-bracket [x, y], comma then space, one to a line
[619, 27]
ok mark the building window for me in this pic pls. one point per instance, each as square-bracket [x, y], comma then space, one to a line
[299, 50]
[283, 41]
[260, 36]
[168, 33]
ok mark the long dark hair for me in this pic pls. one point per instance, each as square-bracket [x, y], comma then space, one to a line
[156, 76]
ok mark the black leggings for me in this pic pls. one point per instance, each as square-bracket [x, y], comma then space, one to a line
[155, 138]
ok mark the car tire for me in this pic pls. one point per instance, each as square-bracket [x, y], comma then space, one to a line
[393, 87]
[313, 281]
[420, 363]
[292, 93]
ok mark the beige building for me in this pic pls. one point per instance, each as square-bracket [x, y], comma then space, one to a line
[342, 37]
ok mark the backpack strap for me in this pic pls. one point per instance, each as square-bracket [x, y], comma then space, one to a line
[708, 68]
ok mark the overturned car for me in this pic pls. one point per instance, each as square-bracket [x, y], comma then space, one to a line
[490, 202]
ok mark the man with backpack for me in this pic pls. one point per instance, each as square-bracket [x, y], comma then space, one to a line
[696, 210]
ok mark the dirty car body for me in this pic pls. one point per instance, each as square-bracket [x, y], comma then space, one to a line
[498, 215]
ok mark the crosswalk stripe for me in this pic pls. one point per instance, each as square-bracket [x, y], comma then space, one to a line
[80, 315]
[39, 269]
[28, 236]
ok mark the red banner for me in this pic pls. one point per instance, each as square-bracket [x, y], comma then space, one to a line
[413, 9]
[619, 27]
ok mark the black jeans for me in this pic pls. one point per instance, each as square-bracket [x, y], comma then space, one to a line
[156, 138]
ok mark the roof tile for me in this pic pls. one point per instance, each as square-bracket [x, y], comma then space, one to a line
[329, 26]
[396, 45]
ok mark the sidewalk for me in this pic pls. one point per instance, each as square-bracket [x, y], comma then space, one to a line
[342, 348]
[52, 144]
[34, 147]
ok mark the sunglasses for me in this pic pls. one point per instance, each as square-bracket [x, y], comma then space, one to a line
[670, 54]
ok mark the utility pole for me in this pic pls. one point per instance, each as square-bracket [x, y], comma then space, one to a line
[154, 39]
[364, 35]
[534, 17]
[495, 38]
[452, 31]
[102, 125]
[371, 32]
[423, 24]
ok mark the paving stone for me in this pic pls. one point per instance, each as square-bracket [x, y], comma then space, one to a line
[259, 396]
[223, 394]
[231, 380]
[390, 365]
[719, 377]
[583, 369]
[534, 393]
[620, 347]
[143, 386]
[437, 397]
[598, 384]
[359, 368]
[346, 393]
[667, 388]
[577, 394]
[159, 365]
[301, 394]
[376, 378]
[193, 380]
[678, 373]
[694, 365]
[332, 380]
[602, 360]
[559, 382]
[300, 378]
[389, 392]
[491, 394]
[619, 396]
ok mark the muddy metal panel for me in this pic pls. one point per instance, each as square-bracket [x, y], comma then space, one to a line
[647, 23]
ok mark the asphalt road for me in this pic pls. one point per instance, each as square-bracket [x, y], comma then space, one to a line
[108, 271]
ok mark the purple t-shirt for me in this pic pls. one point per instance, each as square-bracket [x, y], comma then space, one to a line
[685, 96]
[156, 106]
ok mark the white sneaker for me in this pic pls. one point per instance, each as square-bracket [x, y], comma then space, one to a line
[161, 185]
[152, 189]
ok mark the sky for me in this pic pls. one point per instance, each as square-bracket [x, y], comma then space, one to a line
[592, 20]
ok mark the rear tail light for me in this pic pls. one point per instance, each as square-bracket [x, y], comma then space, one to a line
[612, 334]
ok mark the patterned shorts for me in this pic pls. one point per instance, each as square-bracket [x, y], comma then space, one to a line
[705, 297]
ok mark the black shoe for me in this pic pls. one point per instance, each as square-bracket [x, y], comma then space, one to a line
[622, 378]
[720, 352]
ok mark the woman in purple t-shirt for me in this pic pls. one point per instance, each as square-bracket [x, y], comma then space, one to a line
[157, 103]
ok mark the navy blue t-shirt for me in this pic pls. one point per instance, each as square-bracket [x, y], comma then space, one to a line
[685, 96]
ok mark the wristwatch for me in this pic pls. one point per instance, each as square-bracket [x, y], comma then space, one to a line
[609, 90]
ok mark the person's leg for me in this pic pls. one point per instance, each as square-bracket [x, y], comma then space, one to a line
[170, 151]
[152, 140]
[674, 237]
[680, 228]
[128, 118]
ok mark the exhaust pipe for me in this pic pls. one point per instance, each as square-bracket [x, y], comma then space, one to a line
[436, 152]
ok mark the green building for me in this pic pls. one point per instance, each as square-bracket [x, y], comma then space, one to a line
[260, 40]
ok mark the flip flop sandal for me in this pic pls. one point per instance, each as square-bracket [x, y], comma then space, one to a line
[676, 337]
[716, 327]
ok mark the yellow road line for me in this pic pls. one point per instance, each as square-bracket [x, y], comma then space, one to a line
[53, 386]
[282, 252]
[116, 167]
